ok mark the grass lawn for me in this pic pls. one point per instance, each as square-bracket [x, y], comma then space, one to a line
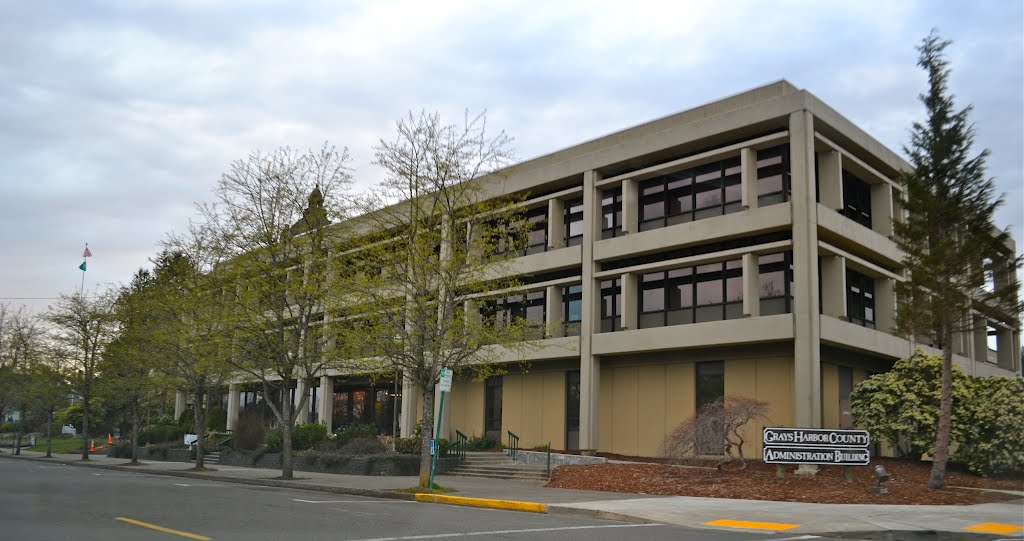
[60, 445]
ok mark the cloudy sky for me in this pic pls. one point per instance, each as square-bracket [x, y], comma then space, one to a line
[117, 117]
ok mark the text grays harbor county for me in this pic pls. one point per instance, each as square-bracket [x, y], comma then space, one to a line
[812, 437]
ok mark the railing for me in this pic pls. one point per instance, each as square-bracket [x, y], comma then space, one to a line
[456, 448]
[513, 445]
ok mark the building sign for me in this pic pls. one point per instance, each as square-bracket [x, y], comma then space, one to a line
[816, 446]
[445, 383]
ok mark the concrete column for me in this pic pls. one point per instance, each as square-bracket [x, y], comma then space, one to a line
[327, 402]
[629, 300]
[445, 431]
[885, 305]
[630, 206]
[830, 182]
[833, 286]
[881, 209]
[301, 390]
[748, 178]
[179, 404]
[234, 403]
[556, 224]
[553, 311]
[751, 286]
[408, 416]
[1006, 354]
[807, 332]
[590, 365]
[980, 337]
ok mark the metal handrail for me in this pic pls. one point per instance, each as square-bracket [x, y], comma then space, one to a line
[513, 445]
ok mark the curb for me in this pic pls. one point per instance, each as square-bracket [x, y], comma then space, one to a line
[386, 494]
[510, 505]
[599, 514]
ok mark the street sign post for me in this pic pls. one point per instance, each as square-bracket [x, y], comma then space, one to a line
[444, 385]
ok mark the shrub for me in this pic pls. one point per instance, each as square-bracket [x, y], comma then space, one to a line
[159, 434]
[481, 443]
[187, 421]
[407, 446]
[542, 447]
[250, 431]
[993, 418]
[362, 446]
[216, 419]
[344, 435]
[305, 436]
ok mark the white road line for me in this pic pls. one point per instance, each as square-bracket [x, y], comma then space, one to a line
[502, 532]
[790, 538]
[350, 501]
[181, 485]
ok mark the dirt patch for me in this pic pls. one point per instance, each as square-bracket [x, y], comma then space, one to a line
[908, 485]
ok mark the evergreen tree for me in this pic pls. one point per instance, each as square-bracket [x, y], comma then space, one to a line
[958, 261]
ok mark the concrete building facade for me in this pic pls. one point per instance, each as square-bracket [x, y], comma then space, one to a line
[743, 247]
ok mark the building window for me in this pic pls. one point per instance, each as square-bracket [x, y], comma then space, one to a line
[860, 299]
[528, 307]
[611, 292]
[775, 283]
[773, 176]
[537, 231]
[611, 209]
[845, 389]
[691, 294]
[710, 387]
[574, 222]
[856, 199]
[572, 409]
[692, 194]
[492, 407]
[572, 302]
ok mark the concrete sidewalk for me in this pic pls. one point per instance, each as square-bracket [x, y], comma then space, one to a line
[797, 519]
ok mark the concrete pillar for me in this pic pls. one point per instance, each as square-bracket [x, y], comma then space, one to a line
[1006, 354]
[179, 404]
[885, 305]
[980, 337]
[807, 332]
[408, 416]
[556, 224]
[553, 312]
[748, 178]
[833, 286]
[830, 180]
[234, 404]
[327, 402]
[301, 390]
[881, 209]
[590, 365]
[630, 206]
[629, 299]
[751, 286]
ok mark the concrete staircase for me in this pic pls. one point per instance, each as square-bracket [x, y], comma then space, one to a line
[212, 458]
[497, 466]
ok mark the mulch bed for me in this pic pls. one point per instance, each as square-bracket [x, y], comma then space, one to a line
[908, 484]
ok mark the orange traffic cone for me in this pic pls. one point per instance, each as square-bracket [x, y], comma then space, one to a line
[92, 445]
[110, 439]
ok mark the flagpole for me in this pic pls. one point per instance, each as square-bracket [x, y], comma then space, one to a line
[85, 255]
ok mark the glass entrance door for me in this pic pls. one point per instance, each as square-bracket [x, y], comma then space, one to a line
[492, 408]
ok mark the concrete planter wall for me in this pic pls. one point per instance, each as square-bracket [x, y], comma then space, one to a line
[540, 458]
[151, 453]
[383, 464]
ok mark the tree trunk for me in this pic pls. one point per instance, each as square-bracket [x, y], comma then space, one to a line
[85, 428]
[938, 475]
[135, 434]
[287, 463]
[49, 435]
[200, 431]
[427, 433]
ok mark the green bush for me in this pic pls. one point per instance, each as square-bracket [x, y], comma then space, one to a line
[407, 446]
[481, 443]
[344, 435]
[187, 421]
[249, 432]
[305, 436]
[994, 421]
[216, 419]
[361, 447]
[7, 427]
[160, 434]
[275, 440]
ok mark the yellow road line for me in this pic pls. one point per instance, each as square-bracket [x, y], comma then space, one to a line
[483, 502]
[995, 527]
[162, 529]
[752, 525]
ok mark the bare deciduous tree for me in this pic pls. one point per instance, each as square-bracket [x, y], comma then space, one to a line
[716, 430]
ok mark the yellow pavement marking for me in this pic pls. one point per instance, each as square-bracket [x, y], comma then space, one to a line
[483, 502]
[162, 529]
[752, 525]
[995, 527]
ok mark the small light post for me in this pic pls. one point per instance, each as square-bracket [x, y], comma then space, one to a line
[881, 476]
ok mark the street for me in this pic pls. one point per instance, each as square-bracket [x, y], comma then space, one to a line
[40, 501]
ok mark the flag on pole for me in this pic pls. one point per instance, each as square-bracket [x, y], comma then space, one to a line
[87, 253]
[82, 266]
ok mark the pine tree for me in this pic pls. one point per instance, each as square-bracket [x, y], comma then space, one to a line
[958, 261]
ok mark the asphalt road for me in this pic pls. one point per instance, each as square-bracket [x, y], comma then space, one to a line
[41, 501]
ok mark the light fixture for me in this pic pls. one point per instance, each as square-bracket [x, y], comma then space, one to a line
[881, 476]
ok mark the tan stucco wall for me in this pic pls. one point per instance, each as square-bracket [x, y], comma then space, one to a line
[533, 408]
[768, 379]
[467, 408]
[829, 396]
